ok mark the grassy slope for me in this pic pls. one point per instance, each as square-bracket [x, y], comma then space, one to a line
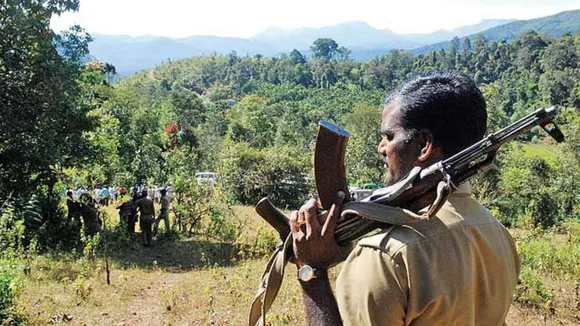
[188, 282]
[547, 152]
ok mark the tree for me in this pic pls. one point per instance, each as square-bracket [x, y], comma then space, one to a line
[296, 57]
[343, 53]
[324, 48]
[453, 52]
[362, 159]
[466, 47]
[529, 45]
[43, 110]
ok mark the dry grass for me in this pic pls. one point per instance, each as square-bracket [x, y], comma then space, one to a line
[191, 281]
[156, 296]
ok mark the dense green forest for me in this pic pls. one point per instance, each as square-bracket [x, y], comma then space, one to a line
[65, 123]
[252, 119]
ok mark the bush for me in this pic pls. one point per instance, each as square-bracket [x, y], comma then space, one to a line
[221, 225]
[251, 174]
[10, 285]
[18, 217]
[532, 292]
[530, 191]
[258, 246]
[7, 294]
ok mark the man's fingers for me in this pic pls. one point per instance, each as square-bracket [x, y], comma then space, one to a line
[333, 214]
[312, 225]
[294, 224]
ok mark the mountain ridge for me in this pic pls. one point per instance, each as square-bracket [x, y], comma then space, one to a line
[554, 26]
[132, 54]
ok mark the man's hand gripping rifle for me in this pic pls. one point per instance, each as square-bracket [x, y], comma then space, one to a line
[420, 188]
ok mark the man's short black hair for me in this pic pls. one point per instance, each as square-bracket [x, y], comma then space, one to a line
[448, 104]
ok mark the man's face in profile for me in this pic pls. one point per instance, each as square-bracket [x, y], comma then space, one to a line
[396, 150]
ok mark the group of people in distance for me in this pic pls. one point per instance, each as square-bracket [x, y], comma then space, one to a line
[139, 204]
[142, 203]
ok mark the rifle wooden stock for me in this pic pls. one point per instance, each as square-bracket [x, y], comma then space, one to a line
[274, 217]
[329, 170]
[329, 175]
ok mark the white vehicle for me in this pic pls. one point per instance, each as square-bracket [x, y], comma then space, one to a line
[209, 178]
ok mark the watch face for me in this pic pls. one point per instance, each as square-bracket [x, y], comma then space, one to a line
[306, 273]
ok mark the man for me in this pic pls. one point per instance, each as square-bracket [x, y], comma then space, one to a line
[127, 214]
[123, 191]
[104, 195]
[147, 212]
[113, 193]
[169, 191]
[73, 215]
[164, 214]
[459, 268]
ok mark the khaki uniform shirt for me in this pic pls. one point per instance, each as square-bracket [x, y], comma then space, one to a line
[460, 268]
[164, 205]
[146, 207]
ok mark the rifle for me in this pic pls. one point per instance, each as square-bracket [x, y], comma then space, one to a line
[410, 191]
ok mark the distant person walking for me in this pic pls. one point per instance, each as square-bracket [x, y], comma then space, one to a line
[127, 214]
[164, 214]
[147, 212]
[104, 195]
[73, 215]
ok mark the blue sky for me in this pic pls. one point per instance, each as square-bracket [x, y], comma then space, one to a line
[245, 18]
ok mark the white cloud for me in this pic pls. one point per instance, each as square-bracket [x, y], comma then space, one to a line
[180, 18]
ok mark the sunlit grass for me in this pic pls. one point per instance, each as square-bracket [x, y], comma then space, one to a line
[547, 152]
[200, 281]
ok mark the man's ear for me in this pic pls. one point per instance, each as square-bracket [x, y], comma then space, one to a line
[426, 145]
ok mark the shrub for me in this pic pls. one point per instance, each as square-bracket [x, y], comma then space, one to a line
[221, 225]
[531, 291]
[251, 174]
[10, 285]
[7, 294]
[545, 255]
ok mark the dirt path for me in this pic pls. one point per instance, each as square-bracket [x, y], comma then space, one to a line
[148, 307]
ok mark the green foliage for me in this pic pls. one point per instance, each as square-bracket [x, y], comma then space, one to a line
[11, 283]
[82, 288]
[11, 233]
[42, 106]
[7, 293]
[532, 291]
[221, 224]
[250, 174]
[534, 192]
[324, 48]
[91, 244]
[550, 253]
[364, 127]
[554, 254]
[252, 120]
[259, 246]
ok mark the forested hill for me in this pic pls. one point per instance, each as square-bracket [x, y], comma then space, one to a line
[247, 116]
[556, 25]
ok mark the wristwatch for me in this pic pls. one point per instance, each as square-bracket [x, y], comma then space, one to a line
[307, 273]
